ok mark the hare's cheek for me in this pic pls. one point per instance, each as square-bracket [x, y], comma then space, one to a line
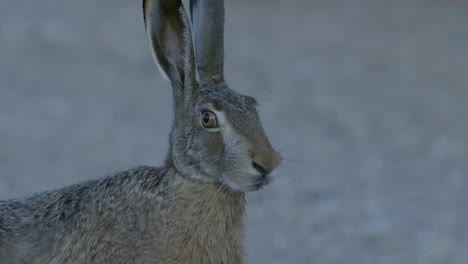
[235, 143]
[209, 151]
[236, 159]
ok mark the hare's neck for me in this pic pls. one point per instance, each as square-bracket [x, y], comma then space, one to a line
[210, 199]
[210, 194]
[212, 218]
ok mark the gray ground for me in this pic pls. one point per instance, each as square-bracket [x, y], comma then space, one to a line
[368, 99]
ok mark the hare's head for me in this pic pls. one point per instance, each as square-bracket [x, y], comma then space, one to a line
[217, 135]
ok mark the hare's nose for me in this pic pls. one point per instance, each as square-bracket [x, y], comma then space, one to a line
[260, 169]
[266, 163]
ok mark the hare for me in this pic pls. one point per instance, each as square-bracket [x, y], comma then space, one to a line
[191, 209]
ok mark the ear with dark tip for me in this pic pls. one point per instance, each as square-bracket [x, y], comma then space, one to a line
[208, 27]
[168, 29]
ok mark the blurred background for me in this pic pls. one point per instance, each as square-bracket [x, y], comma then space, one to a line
[366, 99]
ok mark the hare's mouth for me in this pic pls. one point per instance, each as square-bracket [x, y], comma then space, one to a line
[246, 183]
[265, 180]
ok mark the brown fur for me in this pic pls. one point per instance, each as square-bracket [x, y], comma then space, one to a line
[146, 215]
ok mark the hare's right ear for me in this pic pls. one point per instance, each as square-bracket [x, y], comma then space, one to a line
[208, 28]
[168, 29]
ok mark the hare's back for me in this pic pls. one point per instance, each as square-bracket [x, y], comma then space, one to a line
[79, 220]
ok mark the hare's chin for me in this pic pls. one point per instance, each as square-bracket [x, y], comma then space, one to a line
[254, 183]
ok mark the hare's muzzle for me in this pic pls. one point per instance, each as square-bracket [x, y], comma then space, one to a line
[266, 161]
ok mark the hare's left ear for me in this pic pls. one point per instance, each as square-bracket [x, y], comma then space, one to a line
[168, 29]
[208, 27]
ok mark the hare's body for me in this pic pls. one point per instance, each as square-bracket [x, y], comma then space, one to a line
[146, 215]
[189, 211]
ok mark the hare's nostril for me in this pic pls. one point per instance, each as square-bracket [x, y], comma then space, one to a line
[259, 169]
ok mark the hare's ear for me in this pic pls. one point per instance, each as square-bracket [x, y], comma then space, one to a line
[208, 27]
[168, 29]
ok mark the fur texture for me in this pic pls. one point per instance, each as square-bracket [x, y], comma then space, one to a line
[188, 211]
[145, 215]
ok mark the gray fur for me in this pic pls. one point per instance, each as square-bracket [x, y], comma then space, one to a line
[188, 211]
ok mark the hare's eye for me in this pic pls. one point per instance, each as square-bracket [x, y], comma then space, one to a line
[208, 119]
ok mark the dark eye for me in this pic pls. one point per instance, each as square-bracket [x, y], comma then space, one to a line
[208, 119]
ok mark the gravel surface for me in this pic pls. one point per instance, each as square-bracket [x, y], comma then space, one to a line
[366, 99]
